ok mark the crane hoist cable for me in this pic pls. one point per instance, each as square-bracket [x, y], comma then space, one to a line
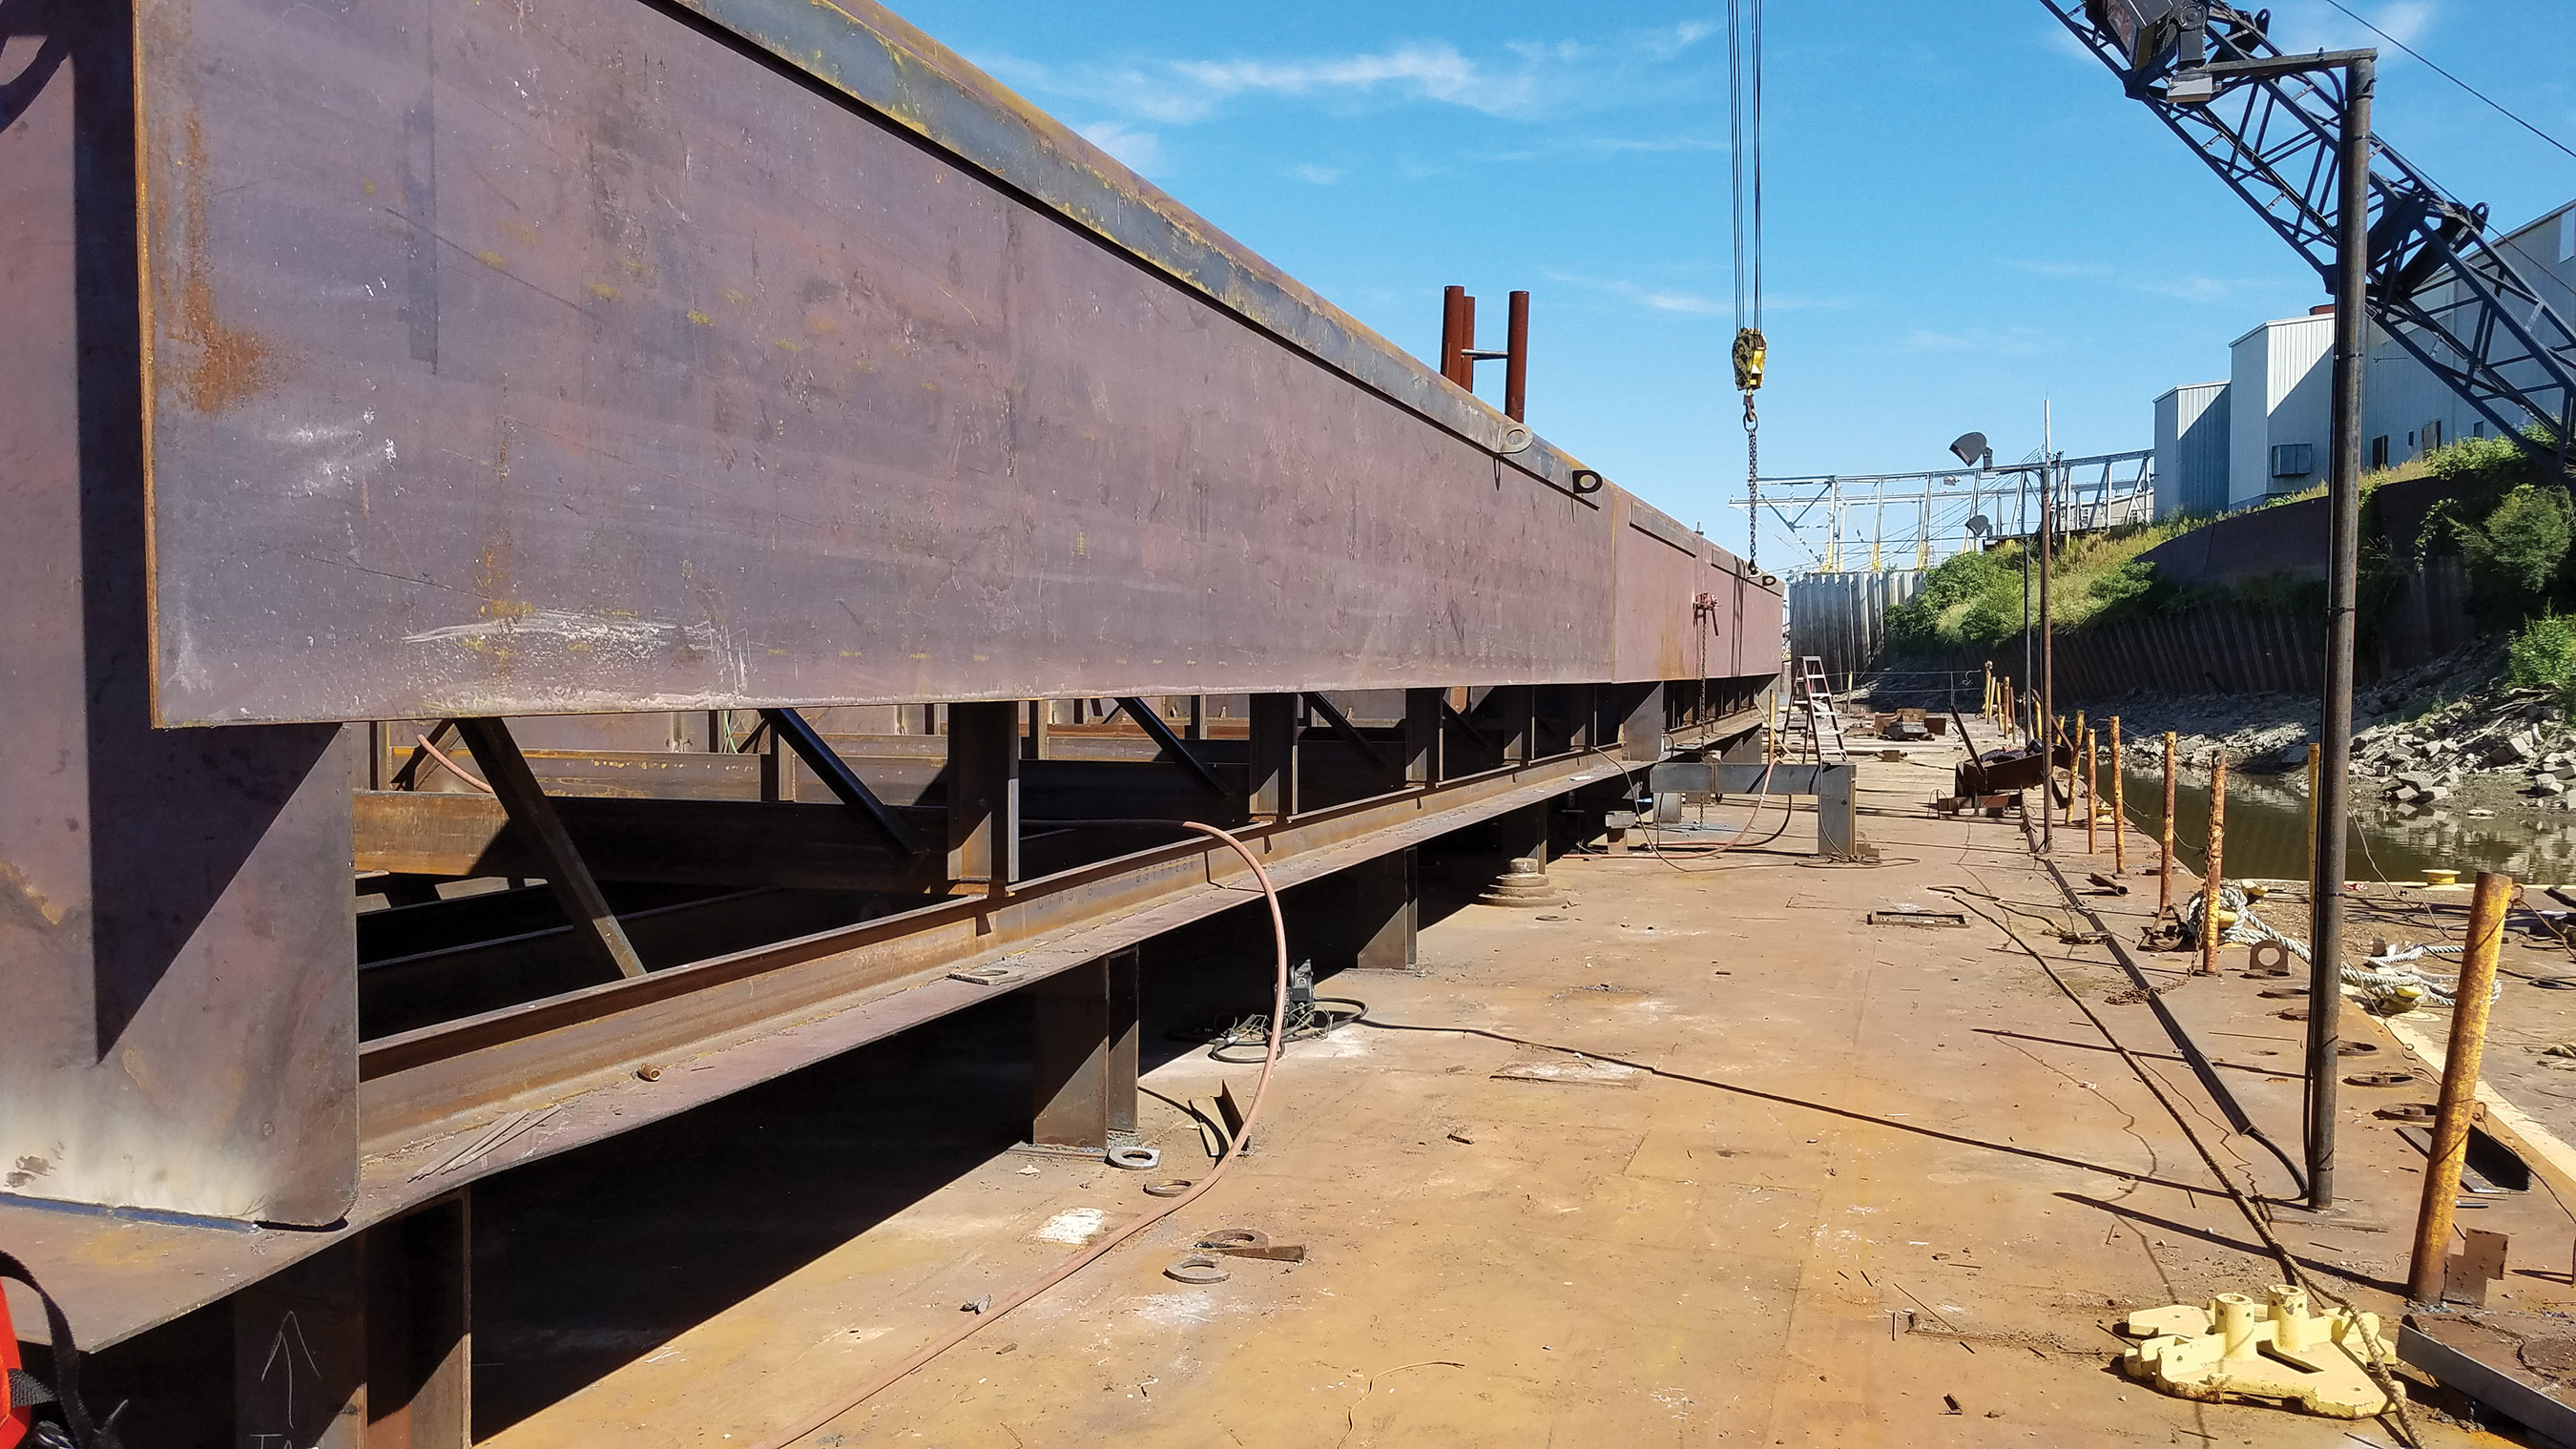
[1744, 146]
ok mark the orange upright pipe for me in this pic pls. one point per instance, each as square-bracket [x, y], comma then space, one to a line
[2119, 807]
[2459, 1088]
[2164, 869]
[2214, 875]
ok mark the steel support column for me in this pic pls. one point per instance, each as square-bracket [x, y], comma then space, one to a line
[984, 794]
[1273, 755]
[1422, 736]
[1085, 1062]
[1384, 898]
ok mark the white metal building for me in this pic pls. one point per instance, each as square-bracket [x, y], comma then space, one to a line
[2405, 409]
[2275, 411]
[2191, 449]
[2279, 406]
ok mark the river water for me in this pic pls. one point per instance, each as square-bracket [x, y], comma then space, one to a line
[2267, 832]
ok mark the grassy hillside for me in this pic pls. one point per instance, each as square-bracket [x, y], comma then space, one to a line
[2512, 530]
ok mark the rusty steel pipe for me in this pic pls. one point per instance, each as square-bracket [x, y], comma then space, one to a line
[2459, 1087]
[1453, 334]
[1516, 360]
[2164, 866]
[2092, 796]
[2119, 807]
[2213, 874]
[2070, 736]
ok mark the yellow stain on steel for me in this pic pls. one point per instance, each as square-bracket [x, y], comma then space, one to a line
[633, 266]
[46, 911]
[982, 658]
[821, 325]
[780, 652]
[602, 291]
[916, 656]
[493, 259]
[736, 298]
[366, 186]
[791, 344]
[1081, 544]
[702, 319]
[519, 231]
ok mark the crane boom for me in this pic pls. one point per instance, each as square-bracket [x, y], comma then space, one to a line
[2437, 287]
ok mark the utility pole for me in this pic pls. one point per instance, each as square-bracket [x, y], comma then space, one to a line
[2343, 557]
[2047, 644]
[2343, 485]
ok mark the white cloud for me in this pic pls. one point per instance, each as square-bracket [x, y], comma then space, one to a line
[2314, 24]
[1432, 71]
[1684, 302]
[1523, 79]
[1320, 175]
[1141, 150]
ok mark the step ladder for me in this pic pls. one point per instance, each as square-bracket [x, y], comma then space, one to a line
[1824, 721]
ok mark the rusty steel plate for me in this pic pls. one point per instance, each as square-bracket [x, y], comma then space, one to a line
[562, 356]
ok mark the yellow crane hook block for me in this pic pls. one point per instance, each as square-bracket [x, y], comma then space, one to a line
[1750, 349]
[2271, 1352]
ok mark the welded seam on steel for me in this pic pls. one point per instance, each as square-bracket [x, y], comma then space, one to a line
[867, 54]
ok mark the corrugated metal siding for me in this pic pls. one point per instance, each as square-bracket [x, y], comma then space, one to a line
[2191, 449]
[2278, 393]
[1842, 618]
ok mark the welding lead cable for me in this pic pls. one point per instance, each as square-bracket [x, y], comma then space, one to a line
[1233, 1148]
[449, 765]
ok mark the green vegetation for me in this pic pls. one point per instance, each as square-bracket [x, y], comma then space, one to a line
[2514, 530]
[2510, 526]
[1973, 601]
[2543, 656]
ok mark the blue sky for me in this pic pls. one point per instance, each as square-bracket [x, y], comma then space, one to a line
[1964, 216]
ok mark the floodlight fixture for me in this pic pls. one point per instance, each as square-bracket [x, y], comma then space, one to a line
[1971, 449]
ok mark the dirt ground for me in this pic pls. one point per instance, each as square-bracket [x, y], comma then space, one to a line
[1788, 1178]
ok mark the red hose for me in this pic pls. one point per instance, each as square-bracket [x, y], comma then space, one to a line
[1270, 1057]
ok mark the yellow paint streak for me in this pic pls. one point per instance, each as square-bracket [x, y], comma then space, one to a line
[603, 291]
[736, 298]
[366, 186]
[791, 344]
[702, 319]
[493, 259]
[519, 231]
